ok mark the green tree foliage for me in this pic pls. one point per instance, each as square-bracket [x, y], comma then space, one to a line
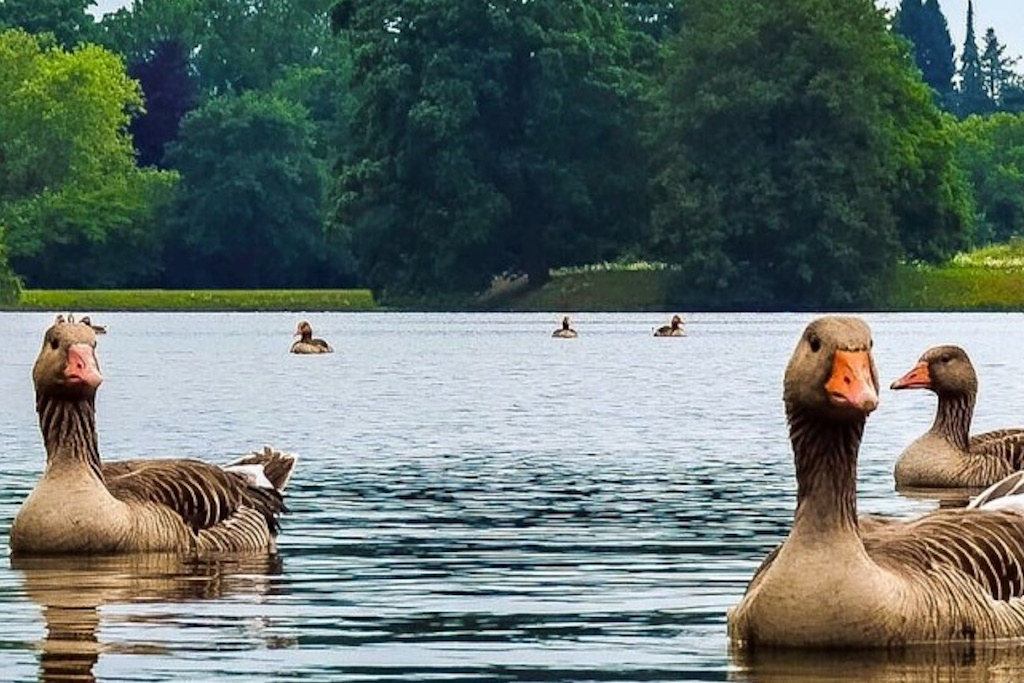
[235, 45]
[972, 97]
[484, 138]
[781, 170]
[136, 30]
[170, 93]
[67, 20]
[71, 198]
[997, 73]
[924, 25]
[249, 208]
[991, 151]
[10, 284]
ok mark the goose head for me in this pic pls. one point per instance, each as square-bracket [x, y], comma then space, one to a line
[304, 330]
[67, 363]
[565, 323]
[832, 373]
[942, 369]
[676, 322]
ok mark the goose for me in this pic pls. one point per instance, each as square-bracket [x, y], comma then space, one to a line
[565, 331]
[673, 329]
[946, 456]
[83, 506]
[98, 329]
[837, 581]
[307, 343]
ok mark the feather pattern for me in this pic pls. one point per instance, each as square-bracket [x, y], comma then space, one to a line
[947, 456]
[953, 575]
[83, 505]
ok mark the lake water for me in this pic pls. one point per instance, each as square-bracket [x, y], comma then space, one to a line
[474, 501]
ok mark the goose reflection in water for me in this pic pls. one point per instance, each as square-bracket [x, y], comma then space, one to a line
[70, 591]
[956, 663]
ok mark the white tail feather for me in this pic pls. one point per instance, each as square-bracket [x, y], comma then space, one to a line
[253, 475]
[1005, 494]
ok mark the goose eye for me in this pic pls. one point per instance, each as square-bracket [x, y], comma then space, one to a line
[815, 343]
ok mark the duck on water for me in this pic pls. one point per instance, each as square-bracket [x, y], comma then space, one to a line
[843, 581]
[307, 343]
[673, 329]
[83, 505]
[565, 331]
[947, 456]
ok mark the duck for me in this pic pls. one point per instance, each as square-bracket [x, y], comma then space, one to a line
[673, 329]
[946, 456]
[84, 506]
[98, 329]
[951, 576]
[565, 331]
[307, 343]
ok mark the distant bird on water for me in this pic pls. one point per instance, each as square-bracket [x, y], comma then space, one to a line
[565, 331]
[307, 343]
[673, 329]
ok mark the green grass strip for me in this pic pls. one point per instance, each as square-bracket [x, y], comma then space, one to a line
[195, 300]
[956, 288]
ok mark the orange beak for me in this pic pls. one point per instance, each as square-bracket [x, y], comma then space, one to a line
[918, 378]
[82, 367]
[851, 383]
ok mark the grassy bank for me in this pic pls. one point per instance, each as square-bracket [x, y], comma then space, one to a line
[84, 300]
[633, 287]
[989, 279]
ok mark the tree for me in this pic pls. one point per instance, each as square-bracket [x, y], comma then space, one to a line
[170, 92]
[233, 45]
[997, 74]
[972, 98]
[10, 284]
[924, 24]
[67, 20]
[249, 209]
[72, 201]
[487, 137]
[990, 149]
[780, 171]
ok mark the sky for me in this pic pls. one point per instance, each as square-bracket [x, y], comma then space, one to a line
[1005, 16]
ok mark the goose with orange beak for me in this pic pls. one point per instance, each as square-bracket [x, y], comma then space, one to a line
[947, 456]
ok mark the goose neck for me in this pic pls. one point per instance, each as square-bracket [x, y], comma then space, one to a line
[825, 454]
[69, 434]
[953, 418]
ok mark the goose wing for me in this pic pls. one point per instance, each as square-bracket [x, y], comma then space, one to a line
[1005, 444]
[984, 545]
[204, 495]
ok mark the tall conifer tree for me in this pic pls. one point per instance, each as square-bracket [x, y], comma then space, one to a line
[924, 24]
[972, 98]
[996, 68]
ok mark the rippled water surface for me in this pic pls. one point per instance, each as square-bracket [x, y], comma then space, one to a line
[474, 501]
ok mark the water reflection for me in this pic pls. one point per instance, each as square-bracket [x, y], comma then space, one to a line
[71, 590]
[946, 498]
[954, 663]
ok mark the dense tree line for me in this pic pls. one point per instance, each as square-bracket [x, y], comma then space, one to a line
[783, 154]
